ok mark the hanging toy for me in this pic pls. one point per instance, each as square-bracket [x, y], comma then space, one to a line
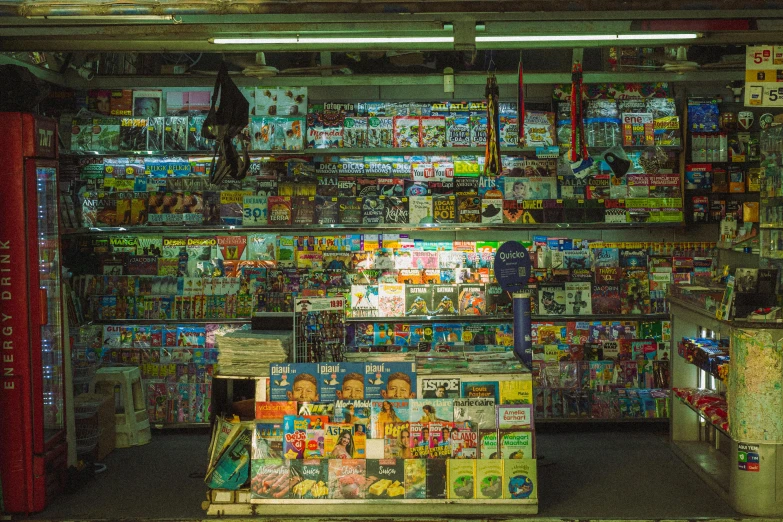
[579, 158]
[492, 166]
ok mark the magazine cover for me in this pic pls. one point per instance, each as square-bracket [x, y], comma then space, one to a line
[444, 209]
[274, 411]
[294, 382]
[440, 388]
[268, 441]
[420, 440]
[480, 390]
[391, 300]
[420, 210]
[385, 380]
[445, 299]
[341, 381]
[488, 444]
[338, 441]
[519, 416]
[295, 436]
[472, 300]
[417, 300]
[578, 298]
[551, 300]
[516, 444]
[477, 412]
[232, 468]
[396, 440]
[440, 440]
[387, 412]
[364, 300]
[431, 410]
[357, 413]
[464, 442]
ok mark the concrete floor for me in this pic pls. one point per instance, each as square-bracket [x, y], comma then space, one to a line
[587, 472]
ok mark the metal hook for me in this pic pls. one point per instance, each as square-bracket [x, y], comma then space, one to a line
[491, 66]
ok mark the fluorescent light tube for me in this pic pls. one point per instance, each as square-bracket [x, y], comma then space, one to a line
[327, 41]
[587, 37]
[98, 18]
[659, 36]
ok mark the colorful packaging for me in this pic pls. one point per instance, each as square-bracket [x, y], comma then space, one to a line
[269, 478]
[347, 479]
[385, 479]
[520, 479]
[309, 479]
[416, 479]
[516, 444]
[461, 479]
[489, 478]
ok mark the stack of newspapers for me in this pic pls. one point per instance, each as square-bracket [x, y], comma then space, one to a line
[248, 353]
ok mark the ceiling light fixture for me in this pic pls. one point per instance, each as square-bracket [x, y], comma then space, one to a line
[105, 18]
[588, 37]
[332, 41]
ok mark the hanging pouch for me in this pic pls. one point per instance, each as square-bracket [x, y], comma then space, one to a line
[222, 124]
[617, 160]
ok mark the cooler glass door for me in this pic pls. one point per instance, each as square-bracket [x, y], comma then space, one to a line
[48, 256]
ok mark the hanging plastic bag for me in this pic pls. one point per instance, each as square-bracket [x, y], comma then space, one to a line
[223, 124]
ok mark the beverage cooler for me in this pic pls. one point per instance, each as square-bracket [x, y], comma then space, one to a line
[32, 425]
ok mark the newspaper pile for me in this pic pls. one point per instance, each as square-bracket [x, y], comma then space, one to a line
[248, 354]
[428, 363]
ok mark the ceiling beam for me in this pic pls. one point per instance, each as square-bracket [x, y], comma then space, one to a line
[703, 8]
[189, 81]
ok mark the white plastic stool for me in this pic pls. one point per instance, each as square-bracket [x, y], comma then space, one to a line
[133, 424]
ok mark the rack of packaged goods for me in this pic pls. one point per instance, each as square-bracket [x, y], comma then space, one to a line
[697, 426]
[332, 210]
[723, 177]
[361, 436]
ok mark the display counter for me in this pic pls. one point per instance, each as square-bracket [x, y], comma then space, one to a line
[744, 460]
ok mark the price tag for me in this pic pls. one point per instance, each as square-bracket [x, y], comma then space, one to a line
[759, 57]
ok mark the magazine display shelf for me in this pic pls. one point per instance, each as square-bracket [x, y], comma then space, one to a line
[743, 464]
[239, 503]
[346, 151]
[533, 317]
[435, 227]
[238, 506]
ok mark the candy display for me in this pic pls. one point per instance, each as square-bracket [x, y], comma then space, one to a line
[710, 355]
[710, 404]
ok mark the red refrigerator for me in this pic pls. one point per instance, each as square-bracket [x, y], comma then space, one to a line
[32, 428]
